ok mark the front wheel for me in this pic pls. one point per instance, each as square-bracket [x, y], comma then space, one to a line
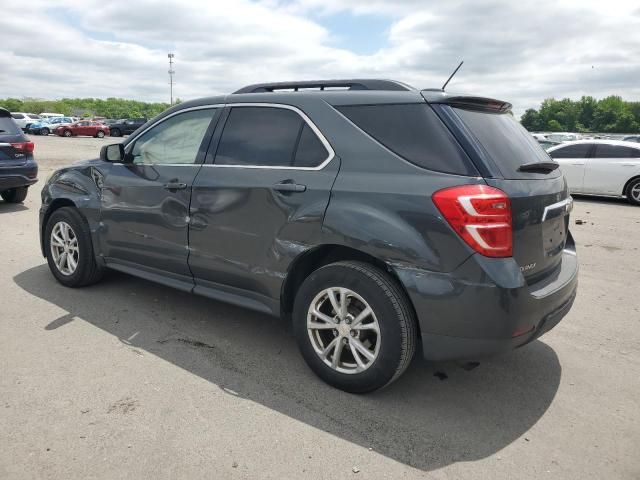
[633, 192]
[116, 132]
[354, 326]
[100, 134]
[44, 131]
[67, 133]
[15, 195]
[69, 249]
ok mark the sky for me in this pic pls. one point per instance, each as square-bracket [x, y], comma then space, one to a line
[518, 51]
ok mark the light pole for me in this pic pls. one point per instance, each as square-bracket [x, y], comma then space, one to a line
[171, 72]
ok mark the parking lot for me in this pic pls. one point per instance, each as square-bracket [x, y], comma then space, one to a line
[129, 379]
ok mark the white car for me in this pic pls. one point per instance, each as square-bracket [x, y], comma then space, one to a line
[601, 167]
[25, 119]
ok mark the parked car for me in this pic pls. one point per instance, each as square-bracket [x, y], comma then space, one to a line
[126, 126]
[601, 167]
[24, 120]
[49, 125]
[91, 129]
[18, 169]
[564, 137]
[371, 217]
[547, 144]
[632, 138]
[50, 115]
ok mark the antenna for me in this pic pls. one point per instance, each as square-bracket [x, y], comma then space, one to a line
[451, 76]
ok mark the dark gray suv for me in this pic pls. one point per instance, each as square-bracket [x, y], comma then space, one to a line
[373, 216]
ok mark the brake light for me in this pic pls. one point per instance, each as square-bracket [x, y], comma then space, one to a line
[481, 215]
[26, 147]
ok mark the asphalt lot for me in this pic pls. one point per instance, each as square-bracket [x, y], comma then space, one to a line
[128, 379]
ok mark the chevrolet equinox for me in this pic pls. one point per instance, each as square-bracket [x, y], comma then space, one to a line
[376, 217]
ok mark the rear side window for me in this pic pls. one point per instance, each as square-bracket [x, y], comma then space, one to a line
[414, 132]
[17, 116]
[8, 126]
[269, 137]
[604, 150]
[579, 150]
[506, 142]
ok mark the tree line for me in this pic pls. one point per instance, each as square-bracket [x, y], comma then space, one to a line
[608, 115]
[86, 107]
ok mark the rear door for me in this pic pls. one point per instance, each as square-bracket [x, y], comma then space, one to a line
[610, 168]
[260, 200]
[540, 202]
[573, 159]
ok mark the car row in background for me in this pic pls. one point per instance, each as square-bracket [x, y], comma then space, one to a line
[601, 167]
[18, 169]
[47, 126]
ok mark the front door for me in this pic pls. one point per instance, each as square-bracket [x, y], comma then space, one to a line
[260, 202]
[145, 200]
[609, 169]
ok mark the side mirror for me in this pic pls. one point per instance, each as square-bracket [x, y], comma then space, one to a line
[112, 153]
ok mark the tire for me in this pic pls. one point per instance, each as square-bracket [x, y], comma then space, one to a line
[115, 132]
[391, 348]
[100, 134]
[633, 192]
[44, 131]
[67, 133]
[87, 270]
[15, 195]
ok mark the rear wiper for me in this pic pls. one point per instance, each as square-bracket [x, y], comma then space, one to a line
[538, 167]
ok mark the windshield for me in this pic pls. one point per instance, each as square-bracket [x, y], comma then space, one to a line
[506, 142]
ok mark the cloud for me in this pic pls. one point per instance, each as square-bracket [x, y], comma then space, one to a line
[517, 51]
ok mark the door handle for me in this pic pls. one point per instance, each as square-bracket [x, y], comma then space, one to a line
[175, 186]
[578, 163]
[289, 187]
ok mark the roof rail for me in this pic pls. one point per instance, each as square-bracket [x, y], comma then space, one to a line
[352, 84]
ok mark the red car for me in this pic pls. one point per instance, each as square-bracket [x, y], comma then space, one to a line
[92, 129]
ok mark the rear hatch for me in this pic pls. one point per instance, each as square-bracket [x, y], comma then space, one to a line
[512, 160]
[13, 144]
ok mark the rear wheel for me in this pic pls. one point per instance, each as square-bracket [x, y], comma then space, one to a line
[115, 132]
[100, 134]
[354, 326]
[15, 195]
[44, 131]
[67, 133]
[69, 249]
[633, 192]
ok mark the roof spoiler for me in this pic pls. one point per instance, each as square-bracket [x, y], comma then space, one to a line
[469, 102]
[350, 84]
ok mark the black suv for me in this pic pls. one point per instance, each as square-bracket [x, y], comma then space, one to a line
[376, 217]
[126, 126]
[18, 169]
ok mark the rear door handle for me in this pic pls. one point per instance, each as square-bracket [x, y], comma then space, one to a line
[289, 187]
[175, 186]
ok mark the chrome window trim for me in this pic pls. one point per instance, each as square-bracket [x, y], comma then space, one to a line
[331, 153]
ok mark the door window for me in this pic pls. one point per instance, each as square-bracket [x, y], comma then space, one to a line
[175, 140]
[269, 137]
[578, 150]
[605, 150]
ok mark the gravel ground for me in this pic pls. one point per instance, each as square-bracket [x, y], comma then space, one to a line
[128, 379]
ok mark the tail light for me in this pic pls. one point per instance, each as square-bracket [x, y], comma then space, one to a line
[481, 215]
[26, 147]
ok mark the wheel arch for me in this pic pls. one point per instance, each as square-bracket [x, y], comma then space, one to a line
[306, 263]
[56, 204]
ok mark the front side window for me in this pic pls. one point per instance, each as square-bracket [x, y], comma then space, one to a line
[269, 137]
[17, 116]
[175, 140]
[604, 150]
[578, 150]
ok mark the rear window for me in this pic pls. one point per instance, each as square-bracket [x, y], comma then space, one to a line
[605, 150]
[8, 126]
[414, 132]
[506, 142]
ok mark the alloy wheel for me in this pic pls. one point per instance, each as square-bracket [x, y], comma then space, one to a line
[343, 330]
[64, 248]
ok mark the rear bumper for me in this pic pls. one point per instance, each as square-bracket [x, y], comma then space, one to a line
[18, 176]
[485, 307]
